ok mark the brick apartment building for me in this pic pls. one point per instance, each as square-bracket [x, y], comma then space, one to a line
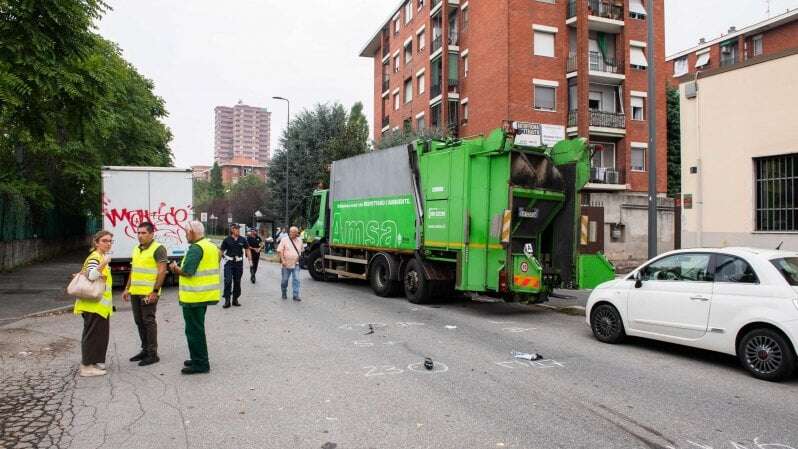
[242, 143]
[739, 148]
[581, 64]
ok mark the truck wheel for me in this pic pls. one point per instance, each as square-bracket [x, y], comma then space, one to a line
[418, 288]
[379, 277]
[315, 266]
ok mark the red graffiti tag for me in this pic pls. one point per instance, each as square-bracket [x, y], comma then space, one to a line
[167, 220]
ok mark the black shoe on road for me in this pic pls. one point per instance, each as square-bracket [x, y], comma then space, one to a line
[149, 361]
[188, 363]
[188, 370]
[226, 304]
[236, 303]
[139, 357]
[296, 298]
[252, 278]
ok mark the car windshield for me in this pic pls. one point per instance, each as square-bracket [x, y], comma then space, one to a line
[788, 267]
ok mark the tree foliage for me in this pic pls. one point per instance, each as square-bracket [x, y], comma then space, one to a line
[69, 103]
[674, 143]
[396, 137]
[312, 141]
[216, 188]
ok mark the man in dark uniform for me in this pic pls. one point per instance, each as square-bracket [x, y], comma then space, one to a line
[234, 249]
[255, 244]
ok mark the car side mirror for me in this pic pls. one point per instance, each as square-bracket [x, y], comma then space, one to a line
[638, 280]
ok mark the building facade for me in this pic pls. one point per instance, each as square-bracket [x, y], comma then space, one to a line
[201, 172]
[580, 64]
[237, 168]
[242, 132]
[739, 147]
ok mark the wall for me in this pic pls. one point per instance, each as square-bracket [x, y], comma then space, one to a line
[20, 252]
[722, 130]
[631, 209]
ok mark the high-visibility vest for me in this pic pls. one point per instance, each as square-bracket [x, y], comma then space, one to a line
[144, 270]
[205, 285]
[103, 307]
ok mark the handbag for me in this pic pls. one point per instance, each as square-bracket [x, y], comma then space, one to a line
[301, 256]
[82, 288]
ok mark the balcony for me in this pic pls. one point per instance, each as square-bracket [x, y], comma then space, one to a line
[605, 9]
[597, 63]
[603, 15]
[572, 118]
[437, 42]
[453, 86]
[435, 90]
[454, 37]
[602, 178]
[572, 64]
[385, 83]
[607, 119]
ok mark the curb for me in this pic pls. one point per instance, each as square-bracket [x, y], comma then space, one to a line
[48, 312]
[567, 310]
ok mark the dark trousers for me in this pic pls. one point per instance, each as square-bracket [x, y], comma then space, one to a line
[232, 277]
[253, 267]
[94, 342]
[195, 335]
[144, 316]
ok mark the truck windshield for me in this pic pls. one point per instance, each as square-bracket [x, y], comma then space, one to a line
[313, 209]
[788, 267]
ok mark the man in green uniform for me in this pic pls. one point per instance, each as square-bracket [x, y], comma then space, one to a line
[199, 287]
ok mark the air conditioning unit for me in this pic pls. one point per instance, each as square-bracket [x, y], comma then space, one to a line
[612, 177]
[691, 90]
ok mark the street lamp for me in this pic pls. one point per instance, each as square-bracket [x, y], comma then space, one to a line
[288, 123]
[257, 214]
[213, 220]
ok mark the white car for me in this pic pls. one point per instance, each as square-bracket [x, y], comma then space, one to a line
[740, 301]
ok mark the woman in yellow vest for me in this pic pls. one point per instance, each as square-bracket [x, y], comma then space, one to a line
[96, 314]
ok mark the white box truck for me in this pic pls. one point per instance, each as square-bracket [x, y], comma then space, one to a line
[132, 195]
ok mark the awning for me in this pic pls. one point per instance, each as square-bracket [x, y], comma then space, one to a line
[636, 6]
[638, 57]
[703, 59]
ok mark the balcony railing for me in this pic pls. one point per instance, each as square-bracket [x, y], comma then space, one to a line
[571, 64]
[436, 43]
[605, 9]
[453, 86]
[607, 119]
[454, 37]
[598, 63]
[600, 118]
[571, 8]
[602, 175]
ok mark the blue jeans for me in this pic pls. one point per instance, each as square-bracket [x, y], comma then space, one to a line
[294, 274]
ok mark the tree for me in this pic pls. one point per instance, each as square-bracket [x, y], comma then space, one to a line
[403, 136]
[216, 188]
[246, 196]
[674, 143]
[312, 141]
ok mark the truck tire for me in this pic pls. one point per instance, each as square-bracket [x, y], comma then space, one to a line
[418, 289]
[379, 278]
[315, 266]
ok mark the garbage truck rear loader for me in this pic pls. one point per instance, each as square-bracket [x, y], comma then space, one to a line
[483, 215]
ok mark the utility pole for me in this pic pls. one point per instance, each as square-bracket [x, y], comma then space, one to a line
[288, 123]
[652, 133]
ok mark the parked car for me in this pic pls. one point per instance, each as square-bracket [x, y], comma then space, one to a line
[740, 301]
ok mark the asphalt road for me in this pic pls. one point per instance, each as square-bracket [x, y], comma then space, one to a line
[311, 375]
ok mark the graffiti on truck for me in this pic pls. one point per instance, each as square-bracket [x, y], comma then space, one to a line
[169, 221]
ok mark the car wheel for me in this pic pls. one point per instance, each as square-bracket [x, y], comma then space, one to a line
[379, 277]
[606, 323]
[766, 354]
[418, 288]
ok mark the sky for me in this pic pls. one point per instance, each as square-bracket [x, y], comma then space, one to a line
[205, 53]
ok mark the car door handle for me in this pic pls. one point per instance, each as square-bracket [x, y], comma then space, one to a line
[699, 298]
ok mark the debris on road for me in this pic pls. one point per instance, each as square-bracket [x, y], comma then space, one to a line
[448, 326]
[371, 330]
[428, 363]
[526, 355]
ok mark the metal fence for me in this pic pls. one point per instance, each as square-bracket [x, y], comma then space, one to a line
[20, 221]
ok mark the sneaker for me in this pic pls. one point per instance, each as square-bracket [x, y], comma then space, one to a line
[100, 366]
[91, 371]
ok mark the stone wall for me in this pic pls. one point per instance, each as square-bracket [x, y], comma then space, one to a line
[21, 252]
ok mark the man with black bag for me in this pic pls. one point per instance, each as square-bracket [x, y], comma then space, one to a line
[255, 245]
[289, 252]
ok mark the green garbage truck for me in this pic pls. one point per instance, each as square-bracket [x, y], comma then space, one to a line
[495, 215]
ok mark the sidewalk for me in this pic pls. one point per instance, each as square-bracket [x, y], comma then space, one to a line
[37, 288]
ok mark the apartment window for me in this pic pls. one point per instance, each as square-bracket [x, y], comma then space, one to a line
[422, 40]
[702, 60]
[408, 90]
[637, 10]
[408, 11]
[465, 19]
[680, 66]
[728, 53]
[396, 63]
[638, 108]
[407, 125]
[465, 112]
[639, 157]
[397, 25]
[465, 66]
[408, 51]
[756, 43]
[396, 101]
[545, 98]
[776, 180]
[421, 123]
[638, 58]
[421, 84]
[544, 44]
[603, 155]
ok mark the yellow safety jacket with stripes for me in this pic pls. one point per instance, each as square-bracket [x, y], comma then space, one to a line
[144, 270]
[205, 284]
[103, 307]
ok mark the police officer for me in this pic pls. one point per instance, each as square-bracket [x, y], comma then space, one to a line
[234, 249]
[199, 288]
[255, 244]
